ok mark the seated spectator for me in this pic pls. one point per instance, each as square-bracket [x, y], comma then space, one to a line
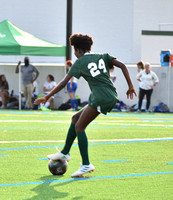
[4, 90]
[48, 86]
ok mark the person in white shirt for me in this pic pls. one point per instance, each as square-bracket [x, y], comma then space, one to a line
[71, 88]
[148, 80]
[140, 67]
[47, 87]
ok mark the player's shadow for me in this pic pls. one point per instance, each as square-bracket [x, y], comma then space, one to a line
[49, 190]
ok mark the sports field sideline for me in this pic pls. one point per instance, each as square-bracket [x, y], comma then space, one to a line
[132, 154]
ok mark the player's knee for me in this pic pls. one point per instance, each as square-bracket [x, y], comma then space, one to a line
[74, 119]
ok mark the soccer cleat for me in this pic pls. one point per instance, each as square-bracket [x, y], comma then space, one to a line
[72, 109]
[148, 111]
[45, 109]
[83, 170]
[59, 156]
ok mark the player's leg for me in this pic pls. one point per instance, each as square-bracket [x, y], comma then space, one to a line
[71, 135]
[86, 117]
[148, 94]
[30, 91]
[141, 96]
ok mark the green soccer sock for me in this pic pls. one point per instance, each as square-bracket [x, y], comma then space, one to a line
[83, 147]
[69, 139]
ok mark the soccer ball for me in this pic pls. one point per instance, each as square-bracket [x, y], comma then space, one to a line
[58, 167]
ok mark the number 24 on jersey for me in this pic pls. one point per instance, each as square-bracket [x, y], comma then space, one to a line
[95, 70]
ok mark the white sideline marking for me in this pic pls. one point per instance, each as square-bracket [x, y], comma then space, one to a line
[68, 121]
[104, 140]
[122, 124]
[39, 121]
[116, 123]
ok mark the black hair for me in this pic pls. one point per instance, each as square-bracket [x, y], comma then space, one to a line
[81, 42]
[3, 83]
[141, 64]
[51, 77]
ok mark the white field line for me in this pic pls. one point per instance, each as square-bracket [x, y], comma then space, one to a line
[138, 124]
[122, 125]
[68, 121]
[104, 140]
[99, 123]
[33, 121]
[61, 122]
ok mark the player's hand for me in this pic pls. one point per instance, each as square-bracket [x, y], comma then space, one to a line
[40, 100]
[130, 92]
[71, 86]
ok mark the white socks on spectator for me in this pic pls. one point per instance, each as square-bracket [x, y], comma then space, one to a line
[47, 104]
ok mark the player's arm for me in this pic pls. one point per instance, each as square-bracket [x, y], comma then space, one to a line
[124, 69]
[58, 88]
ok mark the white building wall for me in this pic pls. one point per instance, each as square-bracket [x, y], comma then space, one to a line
[147, 14]
[152, 45]
[110, 22]
[114, 24]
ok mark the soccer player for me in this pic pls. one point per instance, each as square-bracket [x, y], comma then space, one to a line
[94, 68]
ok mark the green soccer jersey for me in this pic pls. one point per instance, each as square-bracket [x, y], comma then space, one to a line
[94, 68]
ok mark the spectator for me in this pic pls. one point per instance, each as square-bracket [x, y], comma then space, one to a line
[71, 88]
[4, 90]
[48, 86]
[28, 78]
[140, 67]
[148, 80]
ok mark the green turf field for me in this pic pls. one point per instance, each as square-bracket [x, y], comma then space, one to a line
[137, 150]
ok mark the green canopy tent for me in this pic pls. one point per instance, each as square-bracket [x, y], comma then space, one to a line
[14, 41]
